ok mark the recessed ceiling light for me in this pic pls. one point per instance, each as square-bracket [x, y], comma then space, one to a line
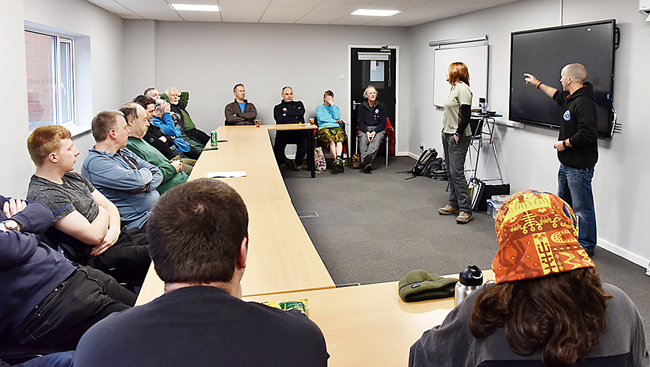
[192, 7]
[376, 12]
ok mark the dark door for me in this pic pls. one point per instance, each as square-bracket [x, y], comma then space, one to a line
[376, 67]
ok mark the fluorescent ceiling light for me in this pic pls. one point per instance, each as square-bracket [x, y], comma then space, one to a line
[192, 7]
[376, 12]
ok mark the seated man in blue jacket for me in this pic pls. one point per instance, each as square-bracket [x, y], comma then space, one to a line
[125, 179]
[46, 301]
[290, 112]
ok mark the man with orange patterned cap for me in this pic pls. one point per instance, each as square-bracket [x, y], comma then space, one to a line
[548, 304]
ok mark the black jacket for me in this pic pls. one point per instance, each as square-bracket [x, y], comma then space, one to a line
[372, 116]
[579, 125]
[289, 112]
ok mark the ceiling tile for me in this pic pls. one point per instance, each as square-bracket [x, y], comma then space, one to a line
[413, 12]
[242, 11]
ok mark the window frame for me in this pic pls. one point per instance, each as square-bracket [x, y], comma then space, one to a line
[59, 40]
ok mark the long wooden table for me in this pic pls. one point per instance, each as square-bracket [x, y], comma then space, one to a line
[369, 325]
[281, 256]
[366, 325]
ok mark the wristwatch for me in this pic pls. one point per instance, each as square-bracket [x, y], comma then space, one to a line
[11, 225]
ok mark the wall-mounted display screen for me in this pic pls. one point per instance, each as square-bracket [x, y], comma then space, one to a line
[543, 53]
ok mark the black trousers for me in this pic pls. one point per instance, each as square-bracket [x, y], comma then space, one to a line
[85, 297]
[198, 135]
[282, 138]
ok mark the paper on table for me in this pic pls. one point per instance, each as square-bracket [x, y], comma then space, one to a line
[217, 174]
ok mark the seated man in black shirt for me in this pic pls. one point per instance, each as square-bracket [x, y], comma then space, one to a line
[290, 112]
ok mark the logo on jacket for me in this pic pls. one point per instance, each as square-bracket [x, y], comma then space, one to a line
[377, 111]
[567, 115]
[284, 109]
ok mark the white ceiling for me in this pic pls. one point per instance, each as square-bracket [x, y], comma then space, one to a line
[335, 12]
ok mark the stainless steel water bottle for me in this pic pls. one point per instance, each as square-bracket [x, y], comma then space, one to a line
[469, 280]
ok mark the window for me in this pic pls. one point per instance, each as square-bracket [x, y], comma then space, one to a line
[50, 79]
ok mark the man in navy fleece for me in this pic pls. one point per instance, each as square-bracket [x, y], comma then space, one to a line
[46, 301]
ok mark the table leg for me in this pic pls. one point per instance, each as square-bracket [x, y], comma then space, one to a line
[310, 153]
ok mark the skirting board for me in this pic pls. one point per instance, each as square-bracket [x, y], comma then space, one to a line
[627, 255]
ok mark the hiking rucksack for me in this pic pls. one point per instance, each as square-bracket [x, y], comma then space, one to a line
[425, 158]
[435, 165]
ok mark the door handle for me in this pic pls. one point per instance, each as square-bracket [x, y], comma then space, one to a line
[355, 104]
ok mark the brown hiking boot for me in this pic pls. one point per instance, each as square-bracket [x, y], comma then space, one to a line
[447, 210]
[463, 217]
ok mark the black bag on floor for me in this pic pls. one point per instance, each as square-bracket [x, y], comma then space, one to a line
[425, 158]
[435, 165]
[481, 192]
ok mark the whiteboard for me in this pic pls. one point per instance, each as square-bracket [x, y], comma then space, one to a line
[476, 59]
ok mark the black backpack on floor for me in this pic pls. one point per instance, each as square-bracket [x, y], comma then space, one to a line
[425, 158]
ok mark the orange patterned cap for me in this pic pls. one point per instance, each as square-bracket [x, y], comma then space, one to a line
[537, 236]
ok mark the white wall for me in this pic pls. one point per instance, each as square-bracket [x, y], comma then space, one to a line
[76, 16]
[208, 59]
[13, 94]
[527, 157]
[139, 66]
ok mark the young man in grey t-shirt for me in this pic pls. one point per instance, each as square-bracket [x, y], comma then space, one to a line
[86, 222]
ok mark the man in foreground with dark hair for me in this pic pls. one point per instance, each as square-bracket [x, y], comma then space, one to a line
[548, 306]
[198, 235]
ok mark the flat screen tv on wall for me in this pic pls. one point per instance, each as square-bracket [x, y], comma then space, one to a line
[543, 53]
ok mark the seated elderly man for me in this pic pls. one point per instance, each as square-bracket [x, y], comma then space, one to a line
[162, 117]
[125, 179]
[86, 223]
[179, 103]
[152, 92]
[240, 111]
[199, 244]
[136, 119]
[158, 139]
[46, 301]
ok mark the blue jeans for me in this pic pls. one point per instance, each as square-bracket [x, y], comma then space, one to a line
[574, 187]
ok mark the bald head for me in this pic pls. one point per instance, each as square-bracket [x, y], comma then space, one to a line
[577, 72]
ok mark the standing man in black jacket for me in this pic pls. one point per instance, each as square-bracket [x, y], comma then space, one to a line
[290, 112]
[577, 147]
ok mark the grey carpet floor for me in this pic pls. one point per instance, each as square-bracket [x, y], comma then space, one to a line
[371, 228]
